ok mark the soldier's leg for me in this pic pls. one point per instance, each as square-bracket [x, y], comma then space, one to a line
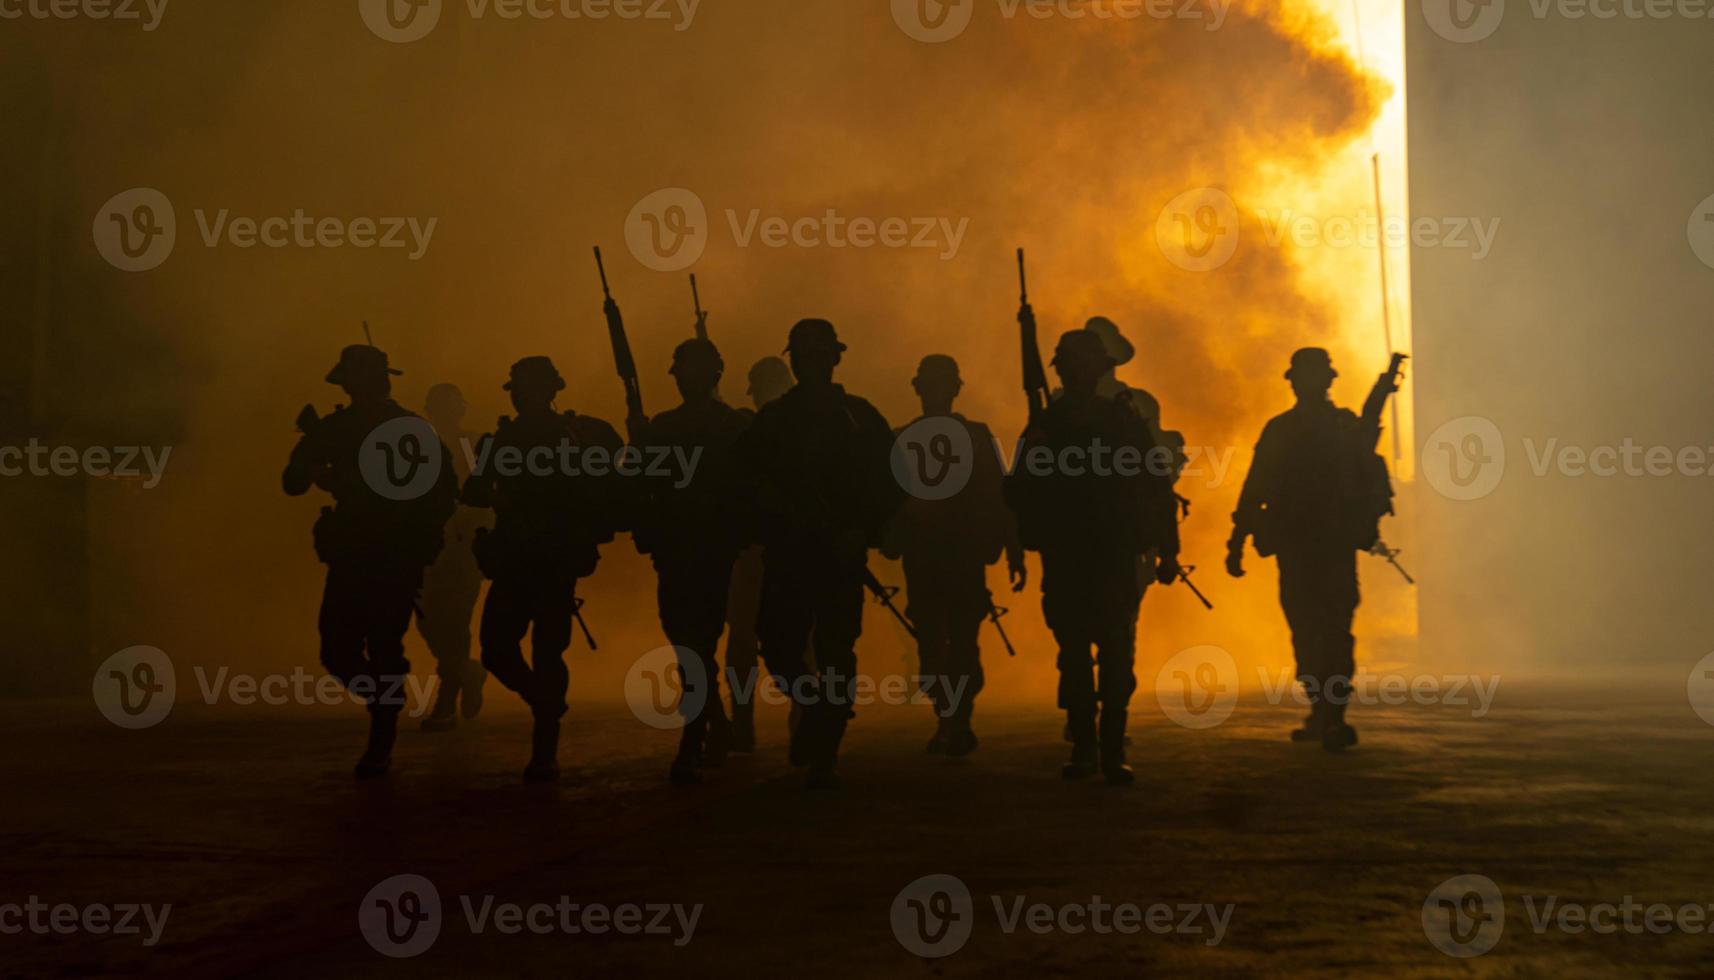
[505, 620]
[1116, 650]
[1299, 603]
[783, 625]
[692, 595]
[964, 663]
[1337, 597]
[447, 636]
[1066, 607]
[340, 624]
[391, 598]
[928, 610]
[549, 600]
[838, 606]
[743, 649]
[475, 677]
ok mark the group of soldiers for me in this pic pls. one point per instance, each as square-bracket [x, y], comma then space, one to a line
[759, 523]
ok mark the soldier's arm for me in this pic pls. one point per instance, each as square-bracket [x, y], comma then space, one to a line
[876, 444]
[1258, 488]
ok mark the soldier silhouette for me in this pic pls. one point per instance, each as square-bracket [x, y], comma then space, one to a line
[1091, 521]
[377, 537]
[548, 476]
[946, 545]
[453, 584]
[820, 459]
[692, 527]
[1312, 499]
[769, 378]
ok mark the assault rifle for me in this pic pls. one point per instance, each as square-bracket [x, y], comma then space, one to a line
[622, 359]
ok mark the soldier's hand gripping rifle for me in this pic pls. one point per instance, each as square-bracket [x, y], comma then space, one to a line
[884, 595]
[622, 359]
[1035, 374]
[701, 314]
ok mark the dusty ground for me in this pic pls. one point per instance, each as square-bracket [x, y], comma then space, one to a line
[248, 824]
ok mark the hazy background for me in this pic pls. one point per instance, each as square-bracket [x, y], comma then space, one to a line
[529, 141]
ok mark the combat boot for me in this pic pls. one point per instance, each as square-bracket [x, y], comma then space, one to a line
[1313, 724]
[688, 762]
[1336, 736]
[960, 739]
[937, 743]
[1085, 750]
[475, 679]
[378, 755]
[444, 716]
[1113, 749]
[544, 752]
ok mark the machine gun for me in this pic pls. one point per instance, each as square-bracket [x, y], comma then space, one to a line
[622, 359]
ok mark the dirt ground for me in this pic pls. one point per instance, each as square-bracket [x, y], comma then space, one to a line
[248, 823]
